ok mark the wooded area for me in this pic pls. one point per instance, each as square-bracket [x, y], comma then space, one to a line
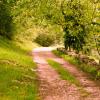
[25, 24]
[76, 20]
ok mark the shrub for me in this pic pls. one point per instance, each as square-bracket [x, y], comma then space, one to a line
[44, 40]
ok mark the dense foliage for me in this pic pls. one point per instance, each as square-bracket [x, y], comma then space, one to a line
[5, 19]
[77, 20]
[96, 25]
[76, 28]
[44, 40]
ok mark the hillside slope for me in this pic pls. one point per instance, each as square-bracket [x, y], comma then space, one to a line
[17, 79]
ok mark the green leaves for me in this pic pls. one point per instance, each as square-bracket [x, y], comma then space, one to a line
[75, 18]
[75, 28]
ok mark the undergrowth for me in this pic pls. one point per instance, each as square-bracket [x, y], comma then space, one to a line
[92, 70]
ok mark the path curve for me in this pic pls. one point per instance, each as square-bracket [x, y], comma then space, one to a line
[52, 87]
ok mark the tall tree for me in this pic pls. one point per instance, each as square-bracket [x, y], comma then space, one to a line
[76, 22]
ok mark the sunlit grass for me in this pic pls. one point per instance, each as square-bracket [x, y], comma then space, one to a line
[95, 73]
[64, 73]
[17, 80]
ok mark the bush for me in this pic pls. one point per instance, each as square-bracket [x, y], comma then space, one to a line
[44, 40]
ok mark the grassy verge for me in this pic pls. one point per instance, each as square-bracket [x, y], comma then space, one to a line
[64, 73]
[92, 70]
[17, 80]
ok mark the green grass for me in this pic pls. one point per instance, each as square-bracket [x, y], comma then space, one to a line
[92, 70]
[64, 73]
[17, 80]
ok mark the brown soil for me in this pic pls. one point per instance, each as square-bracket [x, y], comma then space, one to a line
[52, 87]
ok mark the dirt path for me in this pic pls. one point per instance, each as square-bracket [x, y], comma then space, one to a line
[52, 87]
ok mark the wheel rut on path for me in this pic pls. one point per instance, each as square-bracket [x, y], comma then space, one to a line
[52, 87]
